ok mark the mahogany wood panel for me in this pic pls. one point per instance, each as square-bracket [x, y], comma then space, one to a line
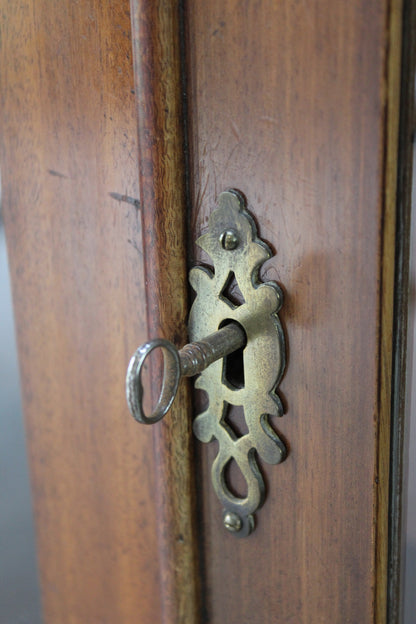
[291, 103]
[156, 26]
[68, 140]
[295, 105]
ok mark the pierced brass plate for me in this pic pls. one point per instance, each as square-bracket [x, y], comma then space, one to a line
[237, 254]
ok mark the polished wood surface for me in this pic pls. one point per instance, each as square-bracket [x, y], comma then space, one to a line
[398, 519]
[295, 105]
[390, 241]
[156, 28]
[68, 141]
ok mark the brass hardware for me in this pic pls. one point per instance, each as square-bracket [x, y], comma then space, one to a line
[229, 240]
[248, 323]
[189, 361]
[232, 522]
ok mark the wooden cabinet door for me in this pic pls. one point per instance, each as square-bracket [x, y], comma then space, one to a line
[119, 128]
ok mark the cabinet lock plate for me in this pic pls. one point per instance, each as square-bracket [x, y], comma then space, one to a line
[238, 348]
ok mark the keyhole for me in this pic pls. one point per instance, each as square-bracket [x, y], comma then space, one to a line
[233, 367]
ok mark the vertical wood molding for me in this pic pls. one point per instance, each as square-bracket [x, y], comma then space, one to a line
[157, 63]
[389, 200]
[399, 424]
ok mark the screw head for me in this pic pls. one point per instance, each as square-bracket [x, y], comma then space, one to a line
[232, 522]
[229, 240]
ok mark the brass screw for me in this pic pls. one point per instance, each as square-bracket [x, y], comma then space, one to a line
[229, 240]
[232, 522]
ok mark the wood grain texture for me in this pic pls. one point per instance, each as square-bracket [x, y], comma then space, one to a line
[401, 370]
[68, 140]
[290, 104]
[391, 97]
[157, 61]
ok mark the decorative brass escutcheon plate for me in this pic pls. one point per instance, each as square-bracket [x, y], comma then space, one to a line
[237, 254]
[249, 331]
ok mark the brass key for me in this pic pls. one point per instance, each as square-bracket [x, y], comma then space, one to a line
[192, 359]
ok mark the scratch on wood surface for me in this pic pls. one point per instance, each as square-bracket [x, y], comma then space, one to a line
[270, 119]
[135, 245]
[235, 130]
[58, 174]
[126, 198]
